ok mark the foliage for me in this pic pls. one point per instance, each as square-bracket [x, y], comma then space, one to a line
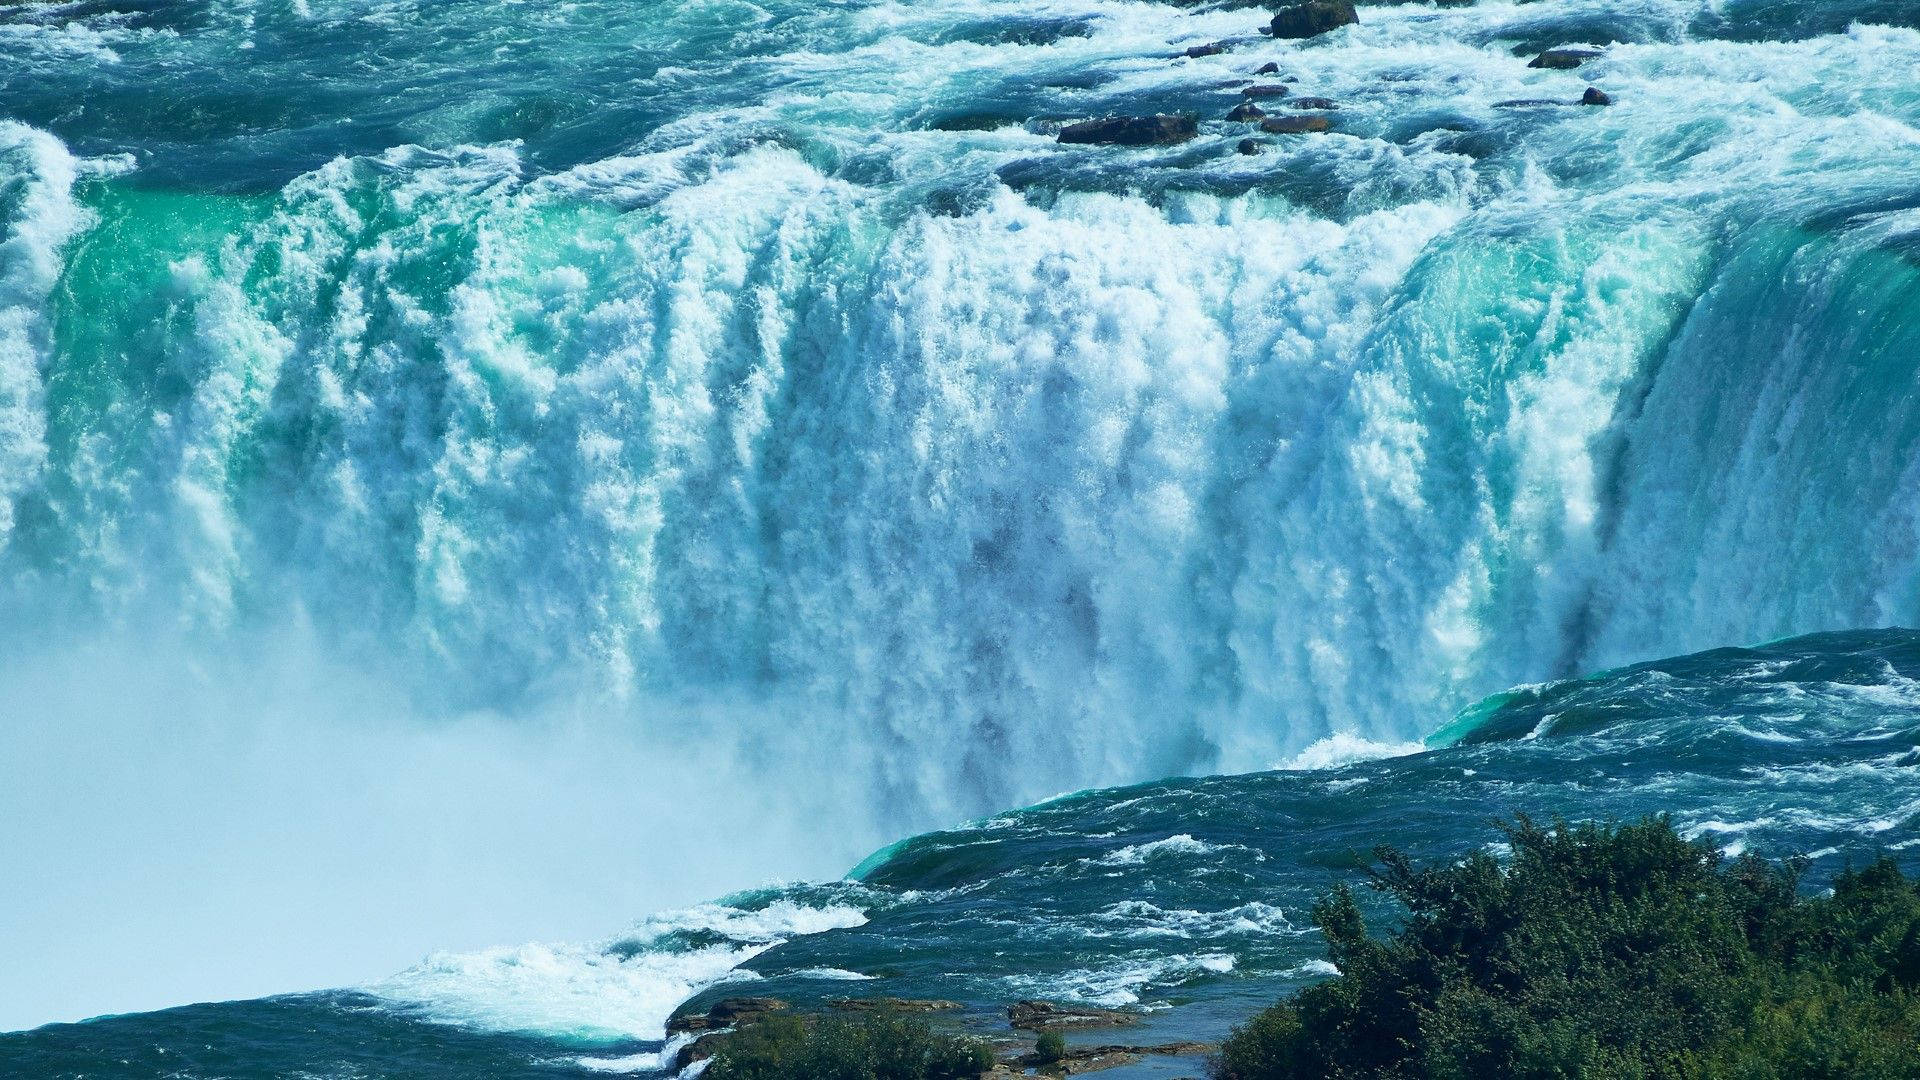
[881, 1046]
[1607, 952]
[1050, 1047]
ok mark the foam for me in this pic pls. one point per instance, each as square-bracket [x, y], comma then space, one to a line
[589, 993]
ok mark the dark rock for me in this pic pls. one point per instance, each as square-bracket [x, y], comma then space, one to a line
[1086, 1059]
[892, 1004]
[1245, 112]
[727, 1012]
[1595, 96]
[1524, 103]
[1266, 90]
[1312, 103]
[1268, 68]
[1294, 125]
[1248, 147]
[699, 1049]
[1198, 51]
[1042, 1015]
[1312, 18]
[1563, 59]
[1132, 130]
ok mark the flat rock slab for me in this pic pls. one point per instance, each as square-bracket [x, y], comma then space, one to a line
[1048, 1015]
[1295, 125]
[1564, 59]
[1132, 130]
[728, 1012]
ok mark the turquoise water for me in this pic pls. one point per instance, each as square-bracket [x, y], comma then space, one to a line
[480, 471]
[1184, 896]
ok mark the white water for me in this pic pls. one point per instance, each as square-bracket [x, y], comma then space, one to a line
[815, 518]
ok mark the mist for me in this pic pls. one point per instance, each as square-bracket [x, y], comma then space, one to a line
[177, 831]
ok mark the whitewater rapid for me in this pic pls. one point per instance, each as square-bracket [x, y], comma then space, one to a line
[766, 385]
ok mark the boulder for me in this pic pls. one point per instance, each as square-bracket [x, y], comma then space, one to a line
[1312, 18]
[1132, 130]
[1268, 68]
[1245, 112]
[1565, 59]
[1248, 147]
[1266, 90]
[1043, 1015]
[1294, 125]
[1198, 51]
[1596, 96]
[1311, 103]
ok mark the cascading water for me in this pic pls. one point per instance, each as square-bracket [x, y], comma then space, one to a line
[762, 389]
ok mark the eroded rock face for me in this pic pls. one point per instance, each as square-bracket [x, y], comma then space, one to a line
[1565, 59]
[1312, 18]
[1047, 1015]
[1132, 130]
[1295, 125]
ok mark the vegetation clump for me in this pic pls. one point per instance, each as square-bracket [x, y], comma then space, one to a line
[878, 1046]
[1607, 952]
[1050, 1047]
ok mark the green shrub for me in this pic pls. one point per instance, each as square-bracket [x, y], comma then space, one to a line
[881, 1046]
[1050, 1047]
[1604, 952]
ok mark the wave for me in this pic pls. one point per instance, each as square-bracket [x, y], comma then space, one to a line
[623, 989]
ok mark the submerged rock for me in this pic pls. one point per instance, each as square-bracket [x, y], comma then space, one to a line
[1295, 125]
[1312, 18]
[1268, 68]
[892, 1004]
[1564, 59]
[1245, 112]
[1042, 1015]
[1596, 96]
[1248, 147]
[1312, 103]
[1132, 130]
[1198, 51]
[1266, 90]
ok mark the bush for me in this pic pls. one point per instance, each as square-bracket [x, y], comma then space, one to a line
[880, 1046]
[1050, 1047]
[1605, 952]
